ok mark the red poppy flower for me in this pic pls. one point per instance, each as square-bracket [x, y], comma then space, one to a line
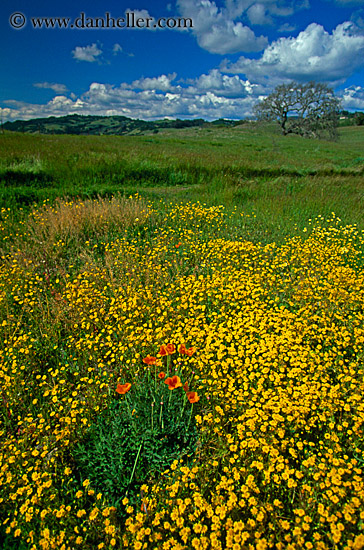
[161, 375]
[167, 349]
[163, 350]
[184, 351]
[171, 348]
[173, 383]
[192, 396]
[123, 388]
[149, 360]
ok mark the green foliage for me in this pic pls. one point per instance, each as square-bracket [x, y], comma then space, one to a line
[9, 542]
[136, 438]
[359, 119]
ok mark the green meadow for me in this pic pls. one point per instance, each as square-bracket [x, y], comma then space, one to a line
[284, 180]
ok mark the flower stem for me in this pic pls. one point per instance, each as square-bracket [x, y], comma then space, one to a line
[160, 416]
[183, 407]
[130, 411]
[135, 463]
[189, 420]
[170, 397]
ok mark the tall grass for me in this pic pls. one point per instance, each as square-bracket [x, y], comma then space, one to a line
[284, 180]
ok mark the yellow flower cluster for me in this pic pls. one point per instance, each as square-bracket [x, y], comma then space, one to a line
[279, 367]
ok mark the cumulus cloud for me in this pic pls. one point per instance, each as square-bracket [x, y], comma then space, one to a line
[352, 98]
[258, 15]
[226, 29]
[163, 83]
[142, 14]
[58, 88]
[217, 30]
[183, 102]
[211, 96]
[145, 16]
[87, 53]
[313, 55]
[223, 85]
[58, 106]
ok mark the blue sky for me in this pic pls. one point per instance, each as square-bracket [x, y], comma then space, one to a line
[236, 52]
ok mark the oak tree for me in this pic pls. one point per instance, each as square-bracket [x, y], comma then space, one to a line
[309, 110]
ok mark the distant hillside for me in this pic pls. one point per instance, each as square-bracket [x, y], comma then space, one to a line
[108, 125]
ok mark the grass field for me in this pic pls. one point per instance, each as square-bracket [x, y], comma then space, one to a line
[182, 341]
[284, 180]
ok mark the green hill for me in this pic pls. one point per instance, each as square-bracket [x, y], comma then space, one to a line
[103, 125]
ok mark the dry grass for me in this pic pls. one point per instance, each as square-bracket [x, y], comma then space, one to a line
[49, 229]
[75, 219]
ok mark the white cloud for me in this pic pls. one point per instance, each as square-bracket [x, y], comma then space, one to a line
[58, 106]
[223, 85]
[148, 20]
[226, 29]
[58, 88]
[352, 98]
[142, 14]
[258, 15]
[163, 83]
[216, 29]
[313, 55]
[209, 96]
[287, 27]
[117, 48]
[87, 53]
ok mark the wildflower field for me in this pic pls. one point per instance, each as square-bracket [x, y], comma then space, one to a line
[183, 372]
[230, 371]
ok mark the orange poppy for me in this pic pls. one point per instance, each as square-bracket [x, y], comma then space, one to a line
[149, 360]
[167, 349]
[123, 388]
[173, 383]
[171, 348]
[161, 375]
[185, 386]
[163, 350]
[184, 351]
[192, 396]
